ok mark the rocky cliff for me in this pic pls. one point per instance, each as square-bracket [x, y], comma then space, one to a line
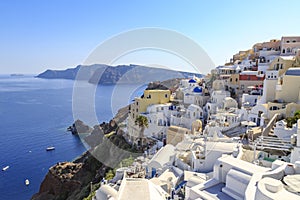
[71, 180]
[121, 74]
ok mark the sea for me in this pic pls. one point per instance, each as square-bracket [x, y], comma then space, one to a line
[35, 114]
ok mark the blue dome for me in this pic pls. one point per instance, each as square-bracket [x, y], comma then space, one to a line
[197, 89]
[192, 81]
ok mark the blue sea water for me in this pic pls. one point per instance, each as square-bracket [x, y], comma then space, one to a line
[34, 114]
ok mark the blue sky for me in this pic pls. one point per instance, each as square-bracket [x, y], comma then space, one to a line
[36, 35]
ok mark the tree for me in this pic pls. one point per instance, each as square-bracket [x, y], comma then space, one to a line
[293, 120]
[297, 114]
[142, 122]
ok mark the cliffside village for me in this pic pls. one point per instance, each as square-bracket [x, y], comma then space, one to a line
[232, 134]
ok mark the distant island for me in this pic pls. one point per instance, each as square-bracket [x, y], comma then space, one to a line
[16, 74]
[121, 74]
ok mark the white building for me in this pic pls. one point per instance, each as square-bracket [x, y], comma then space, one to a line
[204, 158]
[134, 189]
[185, 83]
[194, 95]
[237, 179]
[229, 102]
[159, 119]
[187, 116]
[295, 155]
[217, 101]
[269, 88]
[289, 45]
[162, 160]
[250, 100]
[288, 88]
[283, 132]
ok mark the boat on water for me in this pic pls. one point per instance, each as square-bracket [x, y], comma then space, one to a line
[27, 182]
[5, 168]
[50, 148]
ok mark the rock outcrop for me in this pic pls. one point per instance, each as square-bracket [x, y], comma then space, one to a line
[79, 127]
[171, 84]
[69, 180]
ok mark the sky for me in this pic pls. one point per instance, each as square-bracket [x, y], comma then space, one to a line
[57, 34]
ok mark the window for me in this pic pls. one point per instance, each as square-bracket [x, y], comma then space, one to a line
[288, 41]
[288, 50]
[236, 79]
[281, 66]
[137, 103]
[230, 79]
[166, 95]
[294, 41]
[274, 108]
[283, 50]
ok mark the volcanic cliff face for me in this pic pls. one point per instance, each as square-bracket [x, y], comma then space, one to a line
[70, 180]
[121, 74]
[61, 179]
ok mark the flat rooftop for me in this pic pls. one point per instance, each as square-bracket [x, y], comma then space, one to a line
[216, 192]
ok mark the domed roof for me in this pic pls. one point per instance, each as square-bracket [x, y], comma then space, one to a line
[197, 89]
[192, 81]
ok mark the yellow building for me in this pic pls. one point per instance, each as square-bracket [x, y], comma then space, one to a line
[233, 81]
[282, 64]
[241, 55]
[273, 44]
[288, 88]
[149, 97]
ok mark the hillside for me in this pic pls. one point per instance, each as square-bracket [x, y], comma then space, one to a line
[121, 74]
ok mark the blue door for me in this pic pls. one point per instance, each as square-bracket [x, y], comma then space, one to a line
[153, 172]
